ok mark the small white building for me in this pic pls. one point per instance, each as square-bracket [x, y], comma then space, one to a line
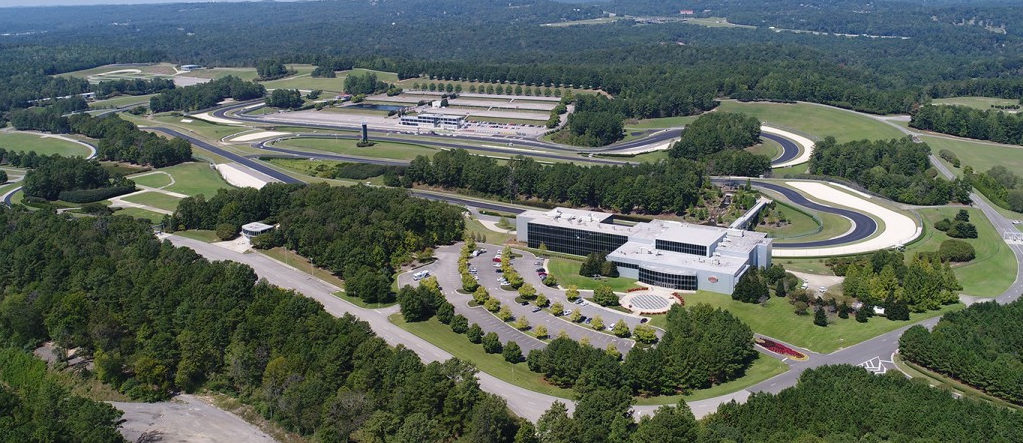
[253, 229]
[425, 120]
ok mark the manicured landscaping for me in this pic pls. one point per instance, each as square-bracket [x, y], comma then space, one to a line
[139, 213]
[193, 178]
[199, 234]
[215, 73]
[152, 180]
[994, 268]
[981, 156]
[982, 103]
[15, 141]
[767, 148]
[155, 199]
[567, 273]
[777, 320]
[120, 101]
[943, 382]
[498, 238]
[360, 303]
[817, 121]
[460, 347]
[389, 150]
[657, 123]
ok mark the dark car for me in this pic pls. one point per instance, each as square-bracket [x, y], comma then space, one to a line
[523, 303]
[536, 309]
[541, 270]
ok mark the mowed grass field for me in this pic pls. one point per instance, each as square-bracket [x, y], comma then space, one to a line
[155, 199]
[120, 101]
[16, 141]
[195, 178]
[982, 103]
[657, 123]
[778, 320]
[567, 273]
[388, 150]
[991, 272]
[817, 121]
[981, 156]
[139, 213]
[768, 148]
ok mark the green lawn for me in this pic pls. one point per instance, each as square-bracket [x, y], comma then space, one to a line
[203, 129]
[155, 199]
[657, 123]
[777, 320]
[762, 369]
[15, 141]
[982, 103]
[817, 121]
[991, 272]
[567, 273]
[141, 214]
[195, 178]
[389, 150]
[199, 234]
[152, 180]
[800, 223]
[215, 73]
[981, 156]
[358, 301]
[459, 346]
[493, 237]
[147, 71]
[768, 148]
[120, 101]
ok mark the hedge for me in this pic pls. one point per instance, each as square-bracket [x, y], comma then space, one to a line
[93, 195]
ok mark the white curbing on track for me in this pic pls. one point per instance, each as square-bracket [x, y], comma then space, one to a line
[898, 228]
[806, 143]
[256, 136]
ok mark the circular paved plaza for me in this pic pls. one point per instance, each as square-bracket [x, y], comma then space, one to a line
[648, 302]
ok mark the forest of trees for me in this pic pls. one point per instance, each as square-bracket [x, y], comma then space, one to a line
[702, 346]
[131, 87]
[884, 279]
[896, 169]
[271, 70]
[847, 403]
[673, 185]
[205, 95]
[718, 139]
[357, 231]
[999, 184]
[365, 83]
[73, 179]
[36, 406]
[285, 98]
[158, 319]
[978, 345]
[964, 121]
[597, 121]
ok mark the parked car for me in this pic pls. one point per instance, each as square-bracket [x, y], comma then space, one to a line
[496, 259]
[537, 309]
[644, 320]
[523, 303]
[541, 270]
[579, 301]
[588, 320]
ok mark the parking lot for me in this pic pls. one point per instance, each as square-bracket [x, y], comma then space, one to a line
[489, 276]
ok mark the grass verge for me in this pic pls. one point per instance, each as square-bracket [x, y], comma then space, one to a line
[567, 273]
[291, 258]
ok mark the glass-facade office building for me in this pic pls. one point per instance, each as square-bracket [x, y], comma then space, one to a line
[663, 253]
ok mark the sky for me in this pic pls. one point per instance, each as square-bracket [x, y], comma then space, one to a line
[9, 3]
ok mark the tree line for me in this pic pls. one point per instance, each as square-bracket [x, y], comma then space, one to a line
[999, 184]
[718, 139]
[843, 403]
[365, 83]
[896, 169]
[597, 121]
[978, 345]
[964, 121]
[131, 87]
[73, 179]
[673, 185]
[36, 406]
[205, 95]
[883, 279]
[359, 231]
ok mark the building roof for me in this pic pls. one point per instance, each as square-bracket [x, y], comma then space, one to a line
[256, 227]
[674, 262]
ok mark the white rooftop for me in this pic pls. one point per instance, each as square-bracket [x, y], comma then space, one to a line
[672, 262]
[256, 227]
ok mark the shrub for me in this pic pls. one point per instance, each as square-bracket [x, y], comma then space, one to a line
[645, 334]
[459, 324]
[445, 313]
[474, 333]
[963, 215]
[956, 251]
[491, 343]
[512, 353]
[226, 231]
[521, 324]
[557, 309]
[863, 314]
[943, 225]
[504, 313]
[94, 195]
[541, 331]
[572, 293]
[605, 296]
[492, 305]
[820, 318]
[961, 229]
[541, 300]
[550, 281]
[621, 329]
[597, 323]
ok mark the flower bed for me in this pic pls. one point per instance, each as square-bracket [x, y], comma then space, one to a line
[681, 300]
[638, 288]
[779, 348]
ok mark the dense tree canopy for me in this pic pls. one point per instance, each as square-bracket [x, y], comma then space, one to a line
[341, 229]
[978, 345]
[158, 319]
[673, 185]
[205, 95]
[285, 98]
[897, 169]
[964, 121]
[56, 175]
